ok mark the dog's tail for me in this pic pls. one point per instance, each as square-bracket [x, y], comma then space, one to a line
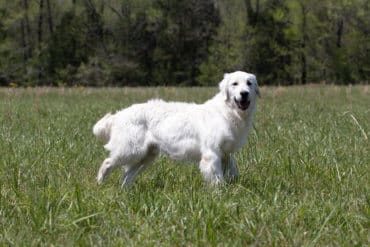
[103, 127]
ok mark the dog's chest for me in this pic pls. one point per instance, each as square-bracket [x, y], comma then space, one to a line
[236, 138]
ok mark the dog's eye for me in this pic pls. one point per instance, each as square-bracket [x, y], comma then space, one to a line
[235, 84]
[249, 83]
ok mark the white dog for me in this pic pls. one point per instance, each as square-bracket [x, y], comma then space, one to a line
[207, 133]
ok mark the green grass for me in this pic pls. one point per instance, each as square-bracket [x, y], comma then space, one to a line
[304, 174]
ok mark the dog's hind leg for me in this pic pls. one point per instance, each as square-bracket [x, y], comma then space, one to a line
[131, 171]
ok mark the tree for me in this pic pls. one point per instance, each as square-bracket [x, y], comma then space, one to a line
[267, 46]
[67, 49]
[173, 42]
[225, 49]
[187, 32]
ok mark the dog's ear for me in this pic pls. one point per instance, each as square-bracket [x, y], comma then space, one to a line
[223, 87]
[258, 90]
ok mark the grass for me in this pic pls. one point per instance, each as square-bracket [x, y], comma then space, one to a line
[304, 174]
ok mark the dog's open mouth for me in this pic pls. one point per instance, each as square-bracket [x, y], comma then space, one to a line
[242, 104]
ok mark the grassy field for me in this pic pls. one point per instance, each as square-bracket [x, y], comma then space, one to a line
[304, 174]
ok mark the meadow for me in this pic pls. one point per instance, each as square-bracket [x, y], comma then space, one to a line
[304, 174]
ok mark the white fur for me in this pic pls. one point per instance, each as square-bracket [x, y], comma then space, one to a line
[206, 133]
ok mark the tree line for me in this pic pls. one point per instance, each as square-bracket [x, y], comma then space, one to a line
[178, 42]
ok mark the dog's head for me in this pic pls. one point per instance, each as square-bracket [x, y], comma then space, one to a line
[239, 89]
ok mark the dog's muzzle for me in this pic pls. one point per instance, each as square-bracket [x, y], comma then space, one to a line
[244, 102]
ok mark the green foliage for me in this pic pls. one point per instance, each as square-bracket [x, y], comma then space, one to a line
[304, 174]
[171, 42]
[187, 30]
[67, 49]
[225, 51]
[269, 55]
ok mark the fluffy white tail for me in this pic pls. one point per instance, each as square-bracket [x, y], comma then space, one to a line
[103, 127]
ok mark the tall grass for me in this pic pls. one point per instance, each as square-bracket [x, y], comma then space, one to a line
[304, 174]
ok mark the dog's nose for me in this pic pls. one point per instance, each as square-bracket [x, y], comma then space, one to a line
[244, 94]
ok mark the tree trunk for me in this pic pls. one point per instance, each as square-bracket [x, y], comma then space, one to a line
[39, 29]
[252, 15]
[303, 45]
[39, 35]
[23, 41]
[50, 18]
[339, 32]
[27, 36]
[257, 11]
[95, 28]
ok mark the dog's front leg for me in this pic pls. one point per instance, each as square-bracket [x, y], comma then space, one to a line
[211, 168]
[230, 169]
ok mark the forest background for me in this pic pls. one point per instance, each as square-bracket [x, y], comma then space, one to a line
[182, 43]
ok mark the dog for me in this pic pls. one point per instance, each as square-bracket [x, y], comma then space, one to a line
[208, 133]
